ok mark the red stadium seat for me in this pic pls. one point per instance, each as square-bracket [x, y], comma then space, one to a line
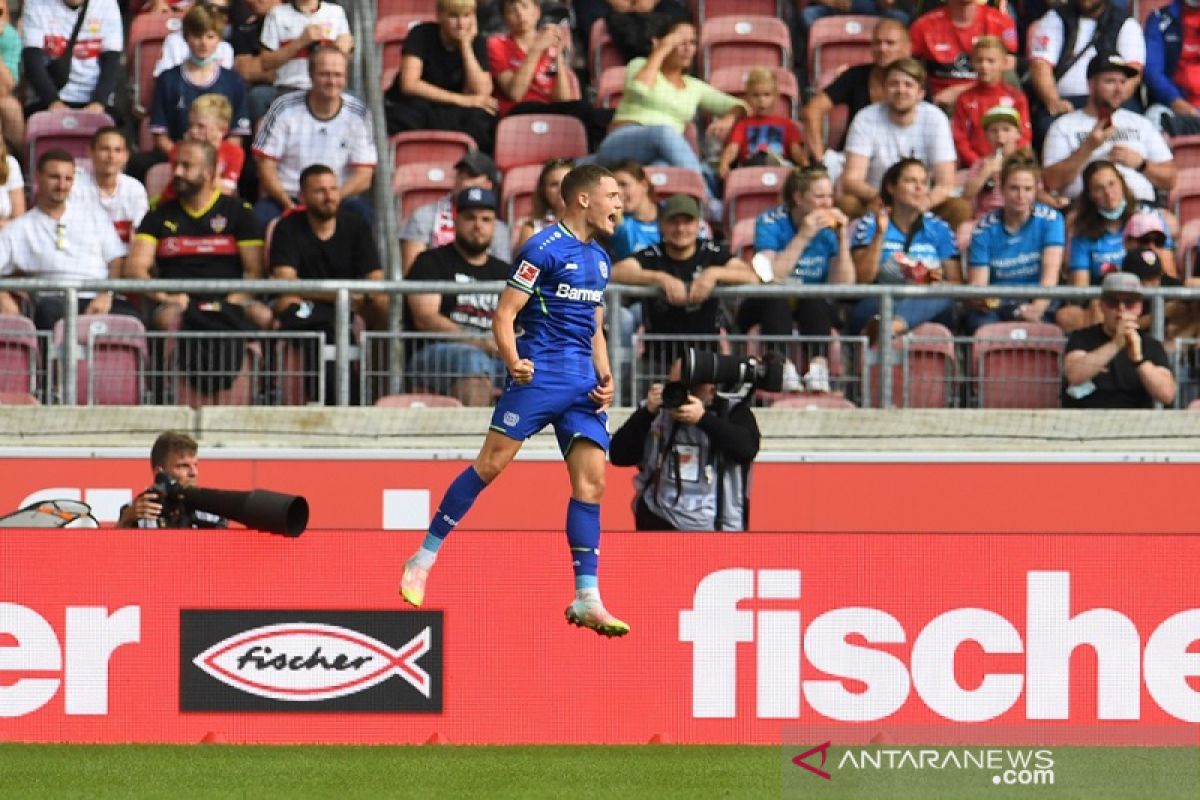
[70, 130]
[836, 123]
[812, 400]
[157, 178]
[390, 33]
[741, 241]
[240, 393]
[537, 138]
[18, 399]
[668, 181]
[602, 53]
[112, 372]
[611, 87]
[1189, 237]
[923, 368]
[751, 190]
[703, 10]
[417, 400]
[732, 80]
[417, 184]
[18, 355]
[516, 194]
[1186, 150]
[441, 147]
[1018, 364]
[1185, 198]
[744, 41]
[391, 8]
[835, 41]
[142, 49]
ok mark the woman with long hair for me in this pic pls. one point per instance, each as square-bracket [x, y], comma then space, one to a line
[900, 244]
[639, 214]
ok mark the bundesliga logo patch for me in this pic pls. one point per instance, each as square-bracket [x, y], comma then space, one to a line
[526, 275]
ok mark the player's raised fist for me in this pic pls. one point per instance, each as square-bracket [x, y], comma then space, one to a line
[521, 371]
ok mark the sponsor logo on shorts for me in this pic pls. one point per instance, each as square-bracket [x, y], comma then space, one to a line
[526, 274]
[366, 661]
[568, 292]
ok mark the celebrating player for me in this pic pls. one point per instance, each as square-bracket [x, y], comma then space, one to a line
[558, 374]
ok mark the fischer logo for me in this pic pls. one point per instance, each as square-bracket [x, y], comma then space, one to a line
[715, 626]
[93, 634]
[308, 662]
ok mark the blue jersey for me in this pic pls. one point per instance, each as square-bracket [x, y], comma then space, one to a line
[1098, 257]
[932, 245]
[633, 235]
[566, 280]
[1015, 259]
[174, 93]
[774, 231]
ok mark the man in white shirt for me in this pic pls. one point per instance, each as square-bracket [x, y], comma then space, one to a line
[95, 63]
[323, 125]
[903, 125]
[123, 198]
[61, 238]
[1103, 130]
[291, 30]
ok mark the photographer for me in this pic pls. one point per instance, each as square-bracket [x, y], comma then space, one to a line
[693, 460]
[173, 454]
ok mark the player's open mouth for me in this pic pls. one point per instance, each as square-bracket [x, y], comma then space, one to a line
[612, 219]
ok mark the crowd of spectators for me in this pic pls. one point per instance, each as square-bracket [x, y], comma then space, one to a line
[982, 145]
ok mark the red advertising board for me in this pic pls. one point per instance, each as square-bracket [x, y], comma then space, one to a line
[238, 636]
[400, 494]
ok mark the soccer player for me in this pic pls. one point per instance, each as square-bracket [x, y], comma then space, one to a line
[558, 374]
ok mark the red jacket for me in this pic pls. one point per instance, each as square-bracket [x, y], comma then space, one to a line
[967, 123]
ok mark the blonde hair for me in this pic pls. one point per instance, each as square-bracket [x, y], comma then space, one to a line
[213, 105]
[455, 6]
[760, 76]
[989, 42]
[3, 161]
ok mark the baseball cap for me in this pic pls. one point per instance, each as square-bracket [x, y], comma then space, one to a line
[1144, 222]
[682, 205]
[1110, 62]
[1007, 114]
[1125, 283]
[475, 197]
[1143, 263]
[477, 163]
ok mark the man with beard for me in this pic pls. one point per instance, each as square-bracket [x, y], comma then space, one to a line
[324, 241]
[463, 360]
[200, 234]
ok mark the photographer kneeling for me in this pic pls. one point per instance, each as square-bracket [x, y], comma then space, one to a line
[693, 458]
[175, 455]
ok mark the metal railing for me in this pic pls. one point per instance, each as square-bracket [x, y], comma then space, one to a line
[344, 353]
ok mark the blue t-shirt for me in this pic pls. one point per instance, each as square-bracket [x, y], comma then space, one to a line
[1015, 259]
[633, 235]
[173, 96]
[1098, 257]
[932, 245]
[566, 279]
[774, 231]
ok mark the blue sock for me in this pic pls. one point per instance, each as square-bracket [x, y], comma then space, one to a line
[455, 504]
[583, 535]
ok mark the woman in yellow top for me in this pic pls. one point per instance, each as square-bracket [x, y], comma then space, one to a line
[660, 100]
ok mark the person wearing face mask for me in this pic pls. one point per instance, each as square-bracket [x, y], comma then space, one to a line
[178, 87]
[87, 75]
[175, 48]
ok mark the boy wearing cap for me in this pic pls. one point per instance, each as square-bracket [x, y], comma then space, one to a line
[466, 370]
[1104, 130]
[686, 268]
[989, 97]
[432, 225]
[1112, 364]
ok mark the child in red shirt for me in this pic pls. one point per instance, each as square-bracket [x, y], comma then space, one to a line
[988, 58]
[762, 138]
[209, 118]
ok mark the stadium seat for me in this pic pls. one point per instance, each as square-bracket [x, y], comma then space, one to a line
[703, 10]
[811, 400]
[536, 138]
[18, 399]
[1185, 198]
[391, 8]
[602, 52]
[113, 372]
[18, 355]
[1185, 249]
[836, 41]
[751, 190]
[417, 400]
[732, 80]
[70, 130]
[1194, 405]
[239, 393]
[668, 181]
[157, 178]
[611, 87]
[923, 369]
[743, 41]
[390, 33]
[1186, 150]
[516, 193]
[441, 147]
[741, 241]
[143, 47]
[1018, 364]
[417, 184]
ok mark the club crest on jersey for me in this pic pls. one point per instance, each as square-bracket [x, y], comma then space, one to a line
[604, 270]
[526, 274]
[218, 223]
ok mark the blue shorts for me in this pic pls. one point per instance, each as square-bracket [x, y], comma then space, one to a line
[524, 409]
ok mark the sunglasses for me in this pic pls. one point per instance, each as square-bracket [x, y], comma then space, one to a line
[1121, 302]
[1154, 239]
